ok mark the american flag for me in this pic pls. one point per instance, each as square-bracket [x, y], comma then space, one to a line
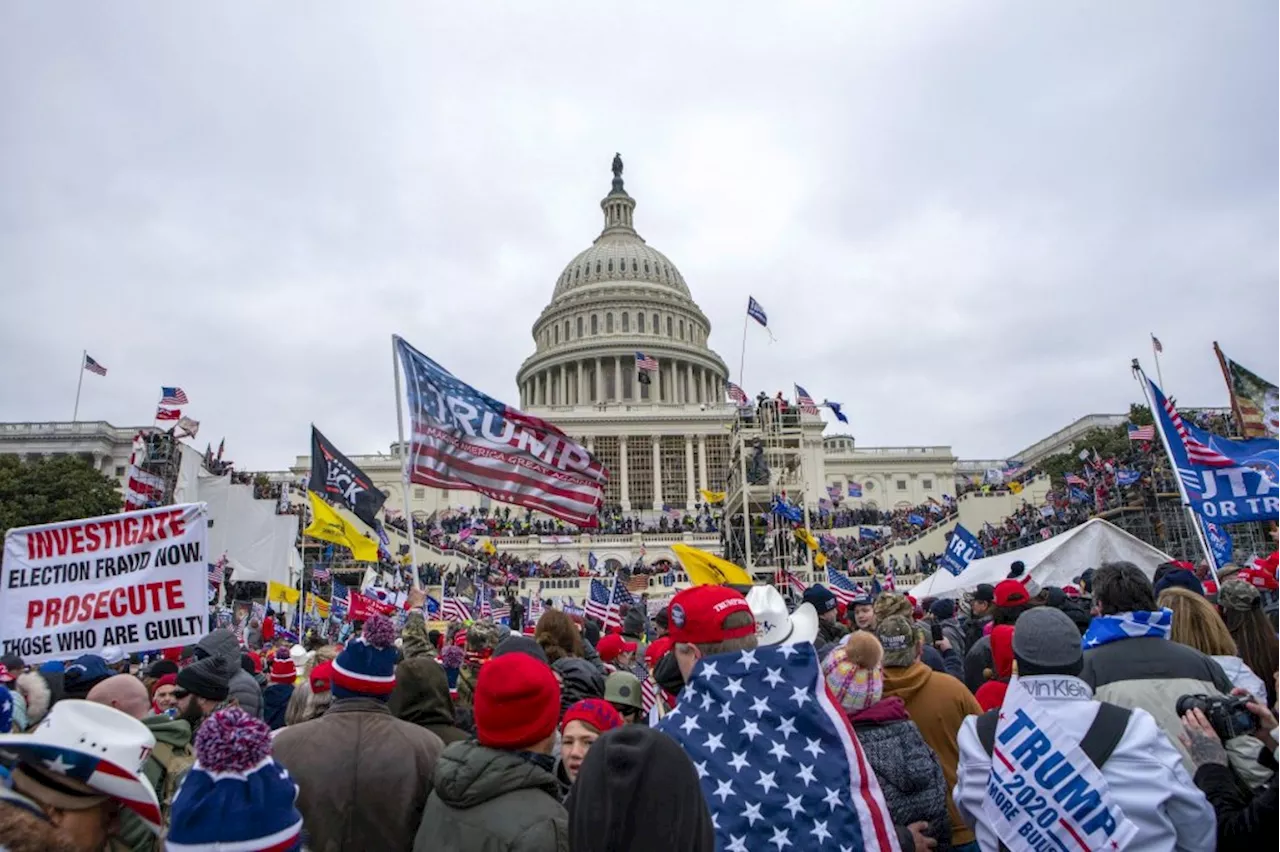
[639, 583]
[1142, 433]
[1156, 344]
[501, 611]
[841, 586]
[455, 609]
[173, 396]
[500, 452]
[646, 363]
[1073, 479]
[93, 366]
[889, 583]
[1198, 453]
[320, 575]
[766, 738]
[648, 694]
[599, 606]
[217, 571]
[805, 401]
[482, 602]
[785, 579]
[737, 394]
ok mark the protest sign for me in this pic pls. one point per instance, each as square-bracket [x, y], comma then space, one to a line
[1044, 792]
[133, 581]
[361, 607]
[962, 549]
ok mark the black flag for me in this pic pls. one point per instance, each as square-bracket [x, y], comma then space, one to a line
[335, 477]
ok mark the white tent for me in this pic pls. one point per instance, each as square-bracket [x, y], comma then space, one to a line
[1052, 562]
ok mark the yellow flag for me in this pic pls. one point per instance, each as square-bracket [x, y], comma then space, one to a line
[805, 536]
[707, 569]
[820, 559]
[1015, 487]
[712, 497]
[488, 547]
[328, 525]
[280, 593]
[321, 607]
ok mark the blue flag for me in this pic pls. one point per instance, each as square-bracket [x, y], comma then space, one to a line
[869, 534]
[778, 762]
[961, 550]
[855, 489]
[1125, 478]
[917, 520]
[1225, 481]
[1079, 495]
[756, 312]
[786, 510]
[835, 409]
[1221, 546]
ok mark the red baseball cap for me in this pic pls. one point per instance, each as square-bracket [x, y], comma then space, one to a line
[1258, 578]
[1011, 593]
[322, 677]
[656, 650]
[612, 645]
[697, 615]
[1071, 591]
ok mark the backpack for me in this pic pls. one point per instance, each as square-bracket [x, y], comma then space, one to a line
[174, 765]
[1097, 744]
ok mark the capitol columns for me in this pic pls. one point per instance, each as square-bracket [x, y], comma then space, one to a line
[599, 381]
[622, 471]
[702, 463]
[656, 443]
[691, 494]
[617, 378]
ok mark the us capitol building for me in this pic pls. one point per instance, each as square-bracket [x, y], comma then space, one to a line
[663, 439]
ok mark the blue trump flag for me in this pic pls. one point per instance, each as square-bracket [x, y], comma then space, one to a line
[917, 520]
[756, 312]
[1220, 544]
[777, 759]
[1224, 480]
[786, 510]
[1125, 478]
[961, 550]
[870, 534]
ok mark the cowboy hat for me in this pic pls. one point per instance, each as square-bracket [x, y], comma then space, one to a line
[773, 625]
[96, 745]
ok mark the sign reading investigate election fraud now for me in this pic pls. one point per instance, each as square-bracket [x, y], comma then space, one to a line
[136, 581]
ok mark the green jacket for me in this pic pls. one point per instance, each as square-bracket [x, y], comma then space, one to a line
[176, 734]
[485, 800]
[421, 696]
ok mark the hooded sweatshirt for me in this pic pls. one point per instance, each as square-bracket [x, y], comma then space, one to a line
[244, 689]
[631, 775]
[421, 696]
[938, 704]
[176, 734]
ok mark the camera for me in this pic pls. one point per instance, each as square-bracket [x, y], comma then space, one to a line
[1226, 713]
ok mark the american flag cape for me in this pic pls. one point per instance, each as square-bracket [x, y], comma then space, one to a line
[779, 764]
[465, 439]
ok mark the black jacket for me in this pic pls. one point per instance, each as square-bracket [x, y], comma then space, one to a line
[1243, 823]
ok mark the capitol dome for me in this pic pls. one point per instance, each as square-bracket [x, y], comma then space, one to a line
[617, 298]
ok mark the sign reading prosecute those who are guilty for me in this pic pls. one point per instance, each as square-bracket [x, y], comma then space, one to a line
[135, 581]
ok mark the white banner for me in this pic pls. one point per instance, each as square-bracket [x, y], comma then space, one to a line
[1044, 792]
[136, 581]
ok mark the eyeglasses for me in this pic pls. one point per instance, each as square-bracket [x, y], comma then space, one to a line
[180, 694]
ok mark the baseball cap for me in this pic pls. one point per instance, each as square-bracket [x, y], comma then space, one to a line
[1011, 593]
[698, 614]
[985, 592]
[898, 638]
[822, 598]
[656, 650]
[609, 647]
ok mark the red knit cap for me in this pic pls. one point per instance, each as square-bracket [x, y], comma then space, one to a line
[516, 702]
[595, 712]
[282, 668]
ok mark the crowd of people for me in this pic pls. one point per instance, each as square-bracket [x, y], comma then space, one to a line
[567, 736]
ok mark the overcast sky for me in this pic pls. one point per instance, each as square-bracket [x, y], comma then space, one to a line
[963, 223]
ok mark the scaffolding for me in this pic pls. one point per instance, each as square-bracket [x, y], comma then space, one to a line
[767, 448]
[160, 456]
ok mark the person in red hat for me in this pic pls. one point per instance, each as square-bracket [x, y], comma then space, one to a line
[709, 620]
[499, 790]
[1011, 598]
[581, 725]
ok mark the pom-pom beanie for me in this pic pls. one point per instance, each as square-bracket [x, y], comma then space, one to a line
[516, 702]
[366, 668]
[854, 672]
[236, 796]
[283, 669]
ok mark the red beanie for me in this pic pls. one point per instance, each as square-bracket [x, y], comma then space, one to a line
[282, 668]
[595, 712]
[516, 702]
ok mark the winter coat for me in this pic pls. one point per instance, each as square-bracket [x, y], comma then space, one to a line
[1153, 673]
[363, 775]
[1244, 824]
[414, 641]
[485, 800]
[244, 689]
[1145, 775]
[908, 771]
[973, 631]
[943, 662]
[579, 679]
[1242, 676]
[977, 660]
[830, 632]
[421, 697]
[954, 633]
[938, 704]
[176, 734]
[275, 701]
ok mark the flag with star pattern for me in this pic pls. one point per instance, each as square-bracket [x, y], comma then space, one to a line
[779, 764]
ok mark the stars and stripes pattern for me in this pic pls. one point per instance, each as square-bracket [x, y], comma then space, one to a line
[1197, 453]
[737, 395]
[483, 604]
[173, 396]
[890, 585]
[217, 571]
[320, 575]
[646, 363]
[787, 580]
[498, 451]
[841, 586]
[605, 609]
[102, 775]
[1073, 479]
[779, 765]
[94, 367]
[455, 609]
[1142, 433]
[806, 403]
[648, 694]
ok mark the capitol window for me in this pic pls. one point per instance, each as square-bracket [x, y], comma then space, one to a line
[595, 324]
[610, 264]
[566, 331]
[634, 266]
[579, 326]
[902, 485]
[682, 329]
[626, 321]
[597, 267]
[656, 327]
[640, 323]
[608, 323]
[670, 333]
[646, 267]
[557, 334]
[927, 484]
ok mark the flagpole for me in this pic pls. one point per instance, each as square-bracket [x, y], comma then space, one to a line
[404, 469]
[742, 359]
[1173, 466]
[1231, 390]
[1155, 353]
[746, 497]
[84, 353]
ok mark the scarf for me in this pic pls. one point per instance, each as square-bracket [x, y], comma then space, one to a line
[1127, 625]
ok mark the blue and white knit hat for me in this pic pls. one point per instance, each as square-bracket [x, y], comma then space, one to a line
[236, 798]
[366, 668]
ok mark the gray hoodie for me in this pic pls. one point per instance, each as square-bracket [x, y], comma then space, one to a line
[244, 689]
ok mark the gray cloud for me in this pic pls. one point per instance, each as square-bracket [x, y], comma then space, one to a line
[963, 223]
